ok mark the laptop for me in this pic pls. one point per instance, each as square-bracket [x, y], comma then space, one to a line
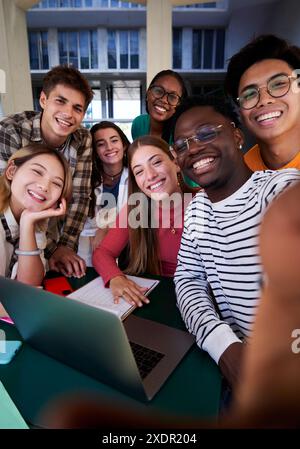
[95, 341]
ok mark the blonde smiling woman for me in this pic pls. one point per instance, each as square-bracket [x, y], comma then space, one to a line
[33, 188]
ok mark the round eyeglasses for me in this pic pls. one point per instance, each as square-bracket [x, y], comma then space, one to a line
[277, 86]
[159, 92]
[204, 134]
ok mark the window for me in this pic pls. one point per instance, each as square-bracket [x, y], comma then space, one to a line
[208, 49]
[197, 49]
[78, 48]
[177, 48]
[123, 49]
[211, 5]
[134, 49]
[112, 50]
[44, 4]
[125, 98]
[93, 113]
[220, 49]
[38, 50]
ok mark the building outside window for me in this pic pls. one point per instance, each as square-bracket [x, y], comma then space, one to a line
[38, 50]
[219, 5]
[109, 45]
[94, 111]
[123, 49]
[208, 49]
[177, 48]
[124, 93]
[78, 48]
[45, 4]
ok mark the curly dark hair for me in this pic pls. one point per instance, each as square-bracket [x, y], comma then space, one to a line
[221, 105]
[266, 46]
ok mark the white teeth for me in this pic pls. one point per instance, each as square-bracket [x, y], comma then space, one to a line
[63, 122]
[111, 154]
[160, 109]
[155, 186]
[268, 116]
[36, 195]
[203, 162]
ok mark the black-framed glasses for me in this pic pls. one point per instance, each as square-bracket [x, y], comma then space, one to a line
[277, 86]
[204, 134]
[159, 92]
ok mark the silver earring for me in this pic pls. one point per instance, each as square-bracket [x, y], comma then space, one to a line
[240, 146]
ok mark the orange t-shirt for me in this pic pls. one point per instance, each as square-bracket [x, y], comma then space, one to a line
[254, 160]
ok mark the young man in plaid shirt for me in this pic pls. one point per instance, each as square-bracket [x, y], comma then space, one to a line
[64, 99]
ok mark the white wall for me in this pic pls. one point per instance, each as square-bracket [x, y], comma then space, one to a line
[281, 17]
[245, 24]
[285, 20]
[14, 58]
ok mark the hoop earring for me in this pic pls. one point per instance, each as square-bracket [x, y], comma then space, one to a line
[180, 181]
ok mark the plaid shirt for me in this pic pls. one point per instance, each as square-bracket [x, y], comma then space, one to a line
[19, 130]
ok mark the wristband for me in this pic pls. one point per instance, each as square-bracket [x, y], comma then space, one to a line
[35, 252]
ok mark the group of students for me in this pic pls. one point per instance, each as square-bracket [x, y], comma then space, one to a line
[81, 182]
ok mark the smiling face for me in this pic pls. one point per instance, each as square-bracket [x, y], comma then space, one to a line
[36, 185]
[212, 165]
[63, 112]
[159, 108]
[110, 148]
[271, 118]
[155, 173]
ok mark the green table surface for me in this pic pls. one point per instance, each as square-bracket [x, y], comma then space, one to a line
[33, 380]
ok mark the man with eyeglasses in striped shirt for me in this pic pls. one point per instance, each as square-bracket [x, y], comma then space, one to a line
[219, 270]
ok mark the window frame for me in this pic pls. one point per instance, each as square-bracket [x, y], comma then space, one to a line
[42, 43]
[92, 65]
[118, 33]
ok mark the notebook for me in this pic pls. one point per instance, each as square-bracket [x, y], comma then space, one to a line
[94, 340]
[10, 417]
[97, 295]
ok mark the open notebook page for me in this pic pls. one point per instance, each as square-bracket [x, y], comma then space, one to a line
[10, 417]
[95, 294]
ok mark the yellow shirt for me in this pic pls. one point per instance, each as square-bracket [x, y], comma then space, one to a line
[254, 160]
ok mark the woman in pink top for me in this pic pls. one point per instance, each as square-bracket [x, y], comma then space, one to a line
[151, 223]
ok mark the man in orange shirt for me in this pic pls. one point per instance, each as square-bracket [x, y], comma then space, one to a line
[261, 80]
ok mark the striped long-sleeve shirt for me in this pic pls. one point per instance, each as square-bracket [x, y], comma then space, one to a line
[219, 254]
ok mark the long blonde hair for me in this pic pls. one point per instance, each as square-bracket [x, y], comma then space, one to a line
[26, 154]
[144, 254]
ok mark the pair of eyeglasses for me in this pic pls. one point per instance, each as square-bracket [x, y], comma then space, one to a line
[159, 92]
[204, 134]
[277, 86]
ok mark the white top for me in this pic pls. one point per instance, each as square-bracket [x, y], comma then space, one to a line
[104, 217]
[7, 249]
[219, 249]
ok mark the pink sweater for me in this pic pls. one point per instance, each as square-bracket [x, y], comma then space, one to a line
[105, 255]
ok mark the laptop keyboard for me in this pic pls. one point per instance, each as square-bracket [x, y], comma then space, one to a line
[146, 359]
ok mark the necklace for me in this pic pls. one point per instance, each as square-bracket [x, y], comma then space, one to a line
[172, 228]
[171, 220]
[112, 177]
[64, 145]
